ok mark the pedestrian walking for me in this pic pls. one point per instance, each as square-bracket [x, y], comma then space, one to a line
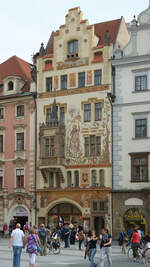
[67, 235]
[136, 239]
[123, 241]
[16, 241]
[43, 239]
[81, 238]
[92, 246]
[106, 242]
[33, 243]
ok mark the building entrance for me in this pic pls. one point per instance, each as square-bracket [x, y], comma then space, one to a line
[20, 215]
[134, 217]
[98, 224]
[64, 212]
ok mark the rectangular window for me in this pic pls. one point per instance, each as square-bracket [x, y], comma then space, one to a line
[141, 83]
[20, 178]
[87, 112]
[50, 147]
[1, 113]
[81, 79]
[1, 179]
[48, 115]
[95, 205]
[141, 128]
[49, 84]
[63, 82]
[92, 146]
[20, 111]
[97, 77]
[98, 111]
[76, 178]
[51, 179]
[1, 143]
[62, 115]
[20, 141]
[87, 146]
[139, 168]
[102, 205]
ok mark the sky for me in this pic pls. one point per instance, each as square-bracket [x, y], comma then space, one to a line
[25, 24]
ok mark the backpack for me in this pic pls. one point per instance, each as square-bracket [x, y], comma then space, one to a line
[43, 234]
[26, 227]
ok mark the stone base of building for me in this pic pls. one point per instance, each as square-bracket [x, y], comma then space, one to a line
[75, 206]
[130, 208]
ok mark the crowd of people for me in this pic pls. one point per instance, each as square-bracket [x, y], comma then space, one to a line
[36, 239]
[136, 239]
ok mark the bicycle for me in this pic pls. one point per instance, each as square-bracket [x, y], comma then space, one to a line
[144, 255]
[53, 246]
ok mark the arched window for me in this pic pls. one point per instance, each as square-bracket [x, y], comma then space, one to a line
[76, 178]
[102, 178]
[69, 179]
[10, 86]
[94, 178]
[73, 47]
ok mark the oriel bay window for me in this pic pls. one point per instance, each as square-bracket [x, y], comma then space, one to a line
[20, 178]
[139, 167]
[49, 147]
[141, 128]
[20, 141]
[98, 111]
[92, 146]
[48, 115]
[87, 112]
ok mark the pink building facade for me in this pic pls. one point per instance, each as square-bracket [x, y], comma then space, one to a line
[17, 142]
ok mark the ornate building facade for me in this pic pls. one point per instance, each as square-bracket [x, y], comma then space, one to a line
[131, 129]
[74, 121]
[17, 142]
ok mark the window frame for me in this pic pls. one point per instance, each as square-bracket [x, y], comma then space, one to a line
[21, 170]
[3, 113]
[73, 42]
[62, 118]
[140, 76]
[76, 178]
[20, 115]
[2, 145]
[96, 77]
[64, 82]
[50, 146]
[89, 143]
[139, 156]
[12, 86]
[23, 147]
[69, 179]
[140, 127]
[51, 79]
[99, 111]
[81, 80]
[1, 179]
[87, 112]
[51, 185]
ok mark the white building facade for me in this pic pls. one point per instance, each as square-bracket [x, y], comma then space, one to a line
[131, 129]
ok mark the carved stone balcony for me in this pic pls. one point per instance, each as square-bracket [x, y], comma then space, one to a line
[52, 161]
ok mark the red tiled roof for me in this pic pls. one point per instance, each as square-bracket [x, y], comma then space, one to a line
[15, 66]
[111, 26]
[100, 30]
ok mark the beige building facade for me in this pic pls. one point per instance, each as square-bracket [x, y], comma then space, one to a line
[74, 121]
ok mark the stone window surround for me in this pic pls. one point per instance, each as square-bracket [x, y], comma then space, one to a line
[141, 72]
[92, 101]
[20, 130]
[132, 155]
[19, 117]
[59, 105]
[15, 176]
[141, 115]
[97, 171]
[52, 75]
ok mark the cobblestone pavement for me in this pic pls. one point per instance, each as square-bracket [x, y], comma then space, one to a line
[68, 258]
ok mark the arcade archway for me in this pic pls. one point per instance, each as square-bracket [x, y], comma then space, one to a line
[64, 212]
[134, 216]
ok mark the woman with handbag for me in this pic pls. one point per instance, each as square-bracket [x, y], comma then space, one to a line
[33, 246]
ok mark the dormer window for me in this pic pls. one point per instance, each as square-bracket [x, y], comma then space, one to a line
[10, 86]
[73, 49]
